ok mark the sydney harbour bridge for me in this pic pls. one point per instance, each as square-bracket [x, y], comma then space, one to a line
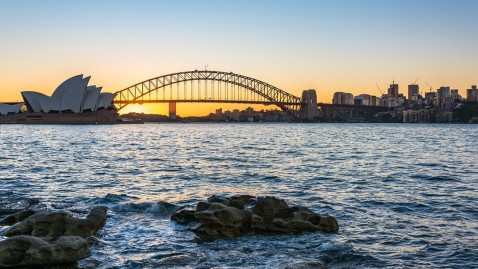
[206, 86]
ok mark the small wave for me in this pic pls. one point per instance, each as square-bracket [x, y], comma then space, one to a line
[428, 164]
[160, 207]
[111, 198]
[272, 178]
[343, 255]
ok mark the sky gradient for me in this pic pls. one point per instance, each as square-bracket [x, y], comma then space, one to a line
[294, 45]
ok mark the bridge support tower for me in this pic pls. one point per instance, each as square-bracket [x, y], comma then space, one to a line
[309, 108]
[172, 110]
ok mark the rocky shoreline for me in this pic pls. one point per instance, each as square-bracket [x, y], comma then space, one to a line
[42, 238]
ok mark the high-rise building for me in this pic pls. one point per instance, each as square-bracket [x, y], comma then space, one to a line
[442, 94]
[472, 94]
[343, 98]
[430, 97]
[455, 95]
[366, 100]
[412, 90]
[393, 90]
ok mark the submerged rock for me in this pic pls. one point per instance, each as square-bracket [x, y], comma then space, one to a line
[25, 250]
[239, 214]
[51, 225]
[184, 216]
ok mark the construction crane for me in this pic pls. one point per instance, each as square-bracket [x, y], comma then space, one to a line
[414, 83]
[429, 86]
[378, 87]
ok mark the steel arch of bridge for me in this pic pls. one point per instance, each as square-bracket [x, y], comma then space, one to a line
[155, 91]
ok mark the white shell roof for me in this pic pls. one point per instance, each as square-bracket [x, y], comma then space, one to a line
[5, 109]
[73, 94]
[92, 97]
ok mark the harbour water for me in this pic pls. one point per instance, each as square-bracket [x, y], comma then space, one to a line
[404, 195]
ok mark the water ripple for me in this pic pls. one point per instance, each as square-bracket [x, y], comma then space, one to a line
[403, 196]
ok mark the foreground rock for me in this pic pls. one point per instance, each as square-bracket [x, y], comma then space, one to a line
[17, 217]
[51, 225]
[239, 214]
[25, 250]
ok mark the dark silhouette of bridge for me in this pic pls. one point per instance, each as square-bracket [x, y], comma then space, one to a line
[210, 87]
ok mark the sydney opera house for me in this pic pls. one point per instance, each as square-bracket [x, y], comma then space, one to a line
[72, 102]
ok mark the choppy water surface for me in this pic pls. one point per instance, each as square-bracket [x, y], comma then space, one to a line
[404, 195]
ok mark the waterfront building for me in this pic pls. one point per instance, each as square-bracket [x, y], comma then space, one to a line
[236, 115]
[472, 94]
[418, 116]
[343, 98]
[412, 90]
[72, 96]
[250, 114]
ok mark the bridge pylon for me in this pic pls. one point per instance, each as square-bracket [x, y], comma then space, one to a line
[308, 109]
[172, 110]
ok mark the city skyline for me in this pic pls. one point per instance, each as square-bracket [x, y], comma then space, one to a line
[329, 46]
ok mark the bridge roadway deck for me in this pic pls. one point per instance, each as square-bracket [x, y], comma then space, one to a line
[205, 101]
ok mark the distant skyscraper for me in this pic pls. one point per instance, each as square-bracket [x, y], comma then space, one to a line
[366, 100]
[472, 94]
[393, 90]
[443, 93]
[343, 98]
[430, 97]
[412, 90]
[455, 95]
